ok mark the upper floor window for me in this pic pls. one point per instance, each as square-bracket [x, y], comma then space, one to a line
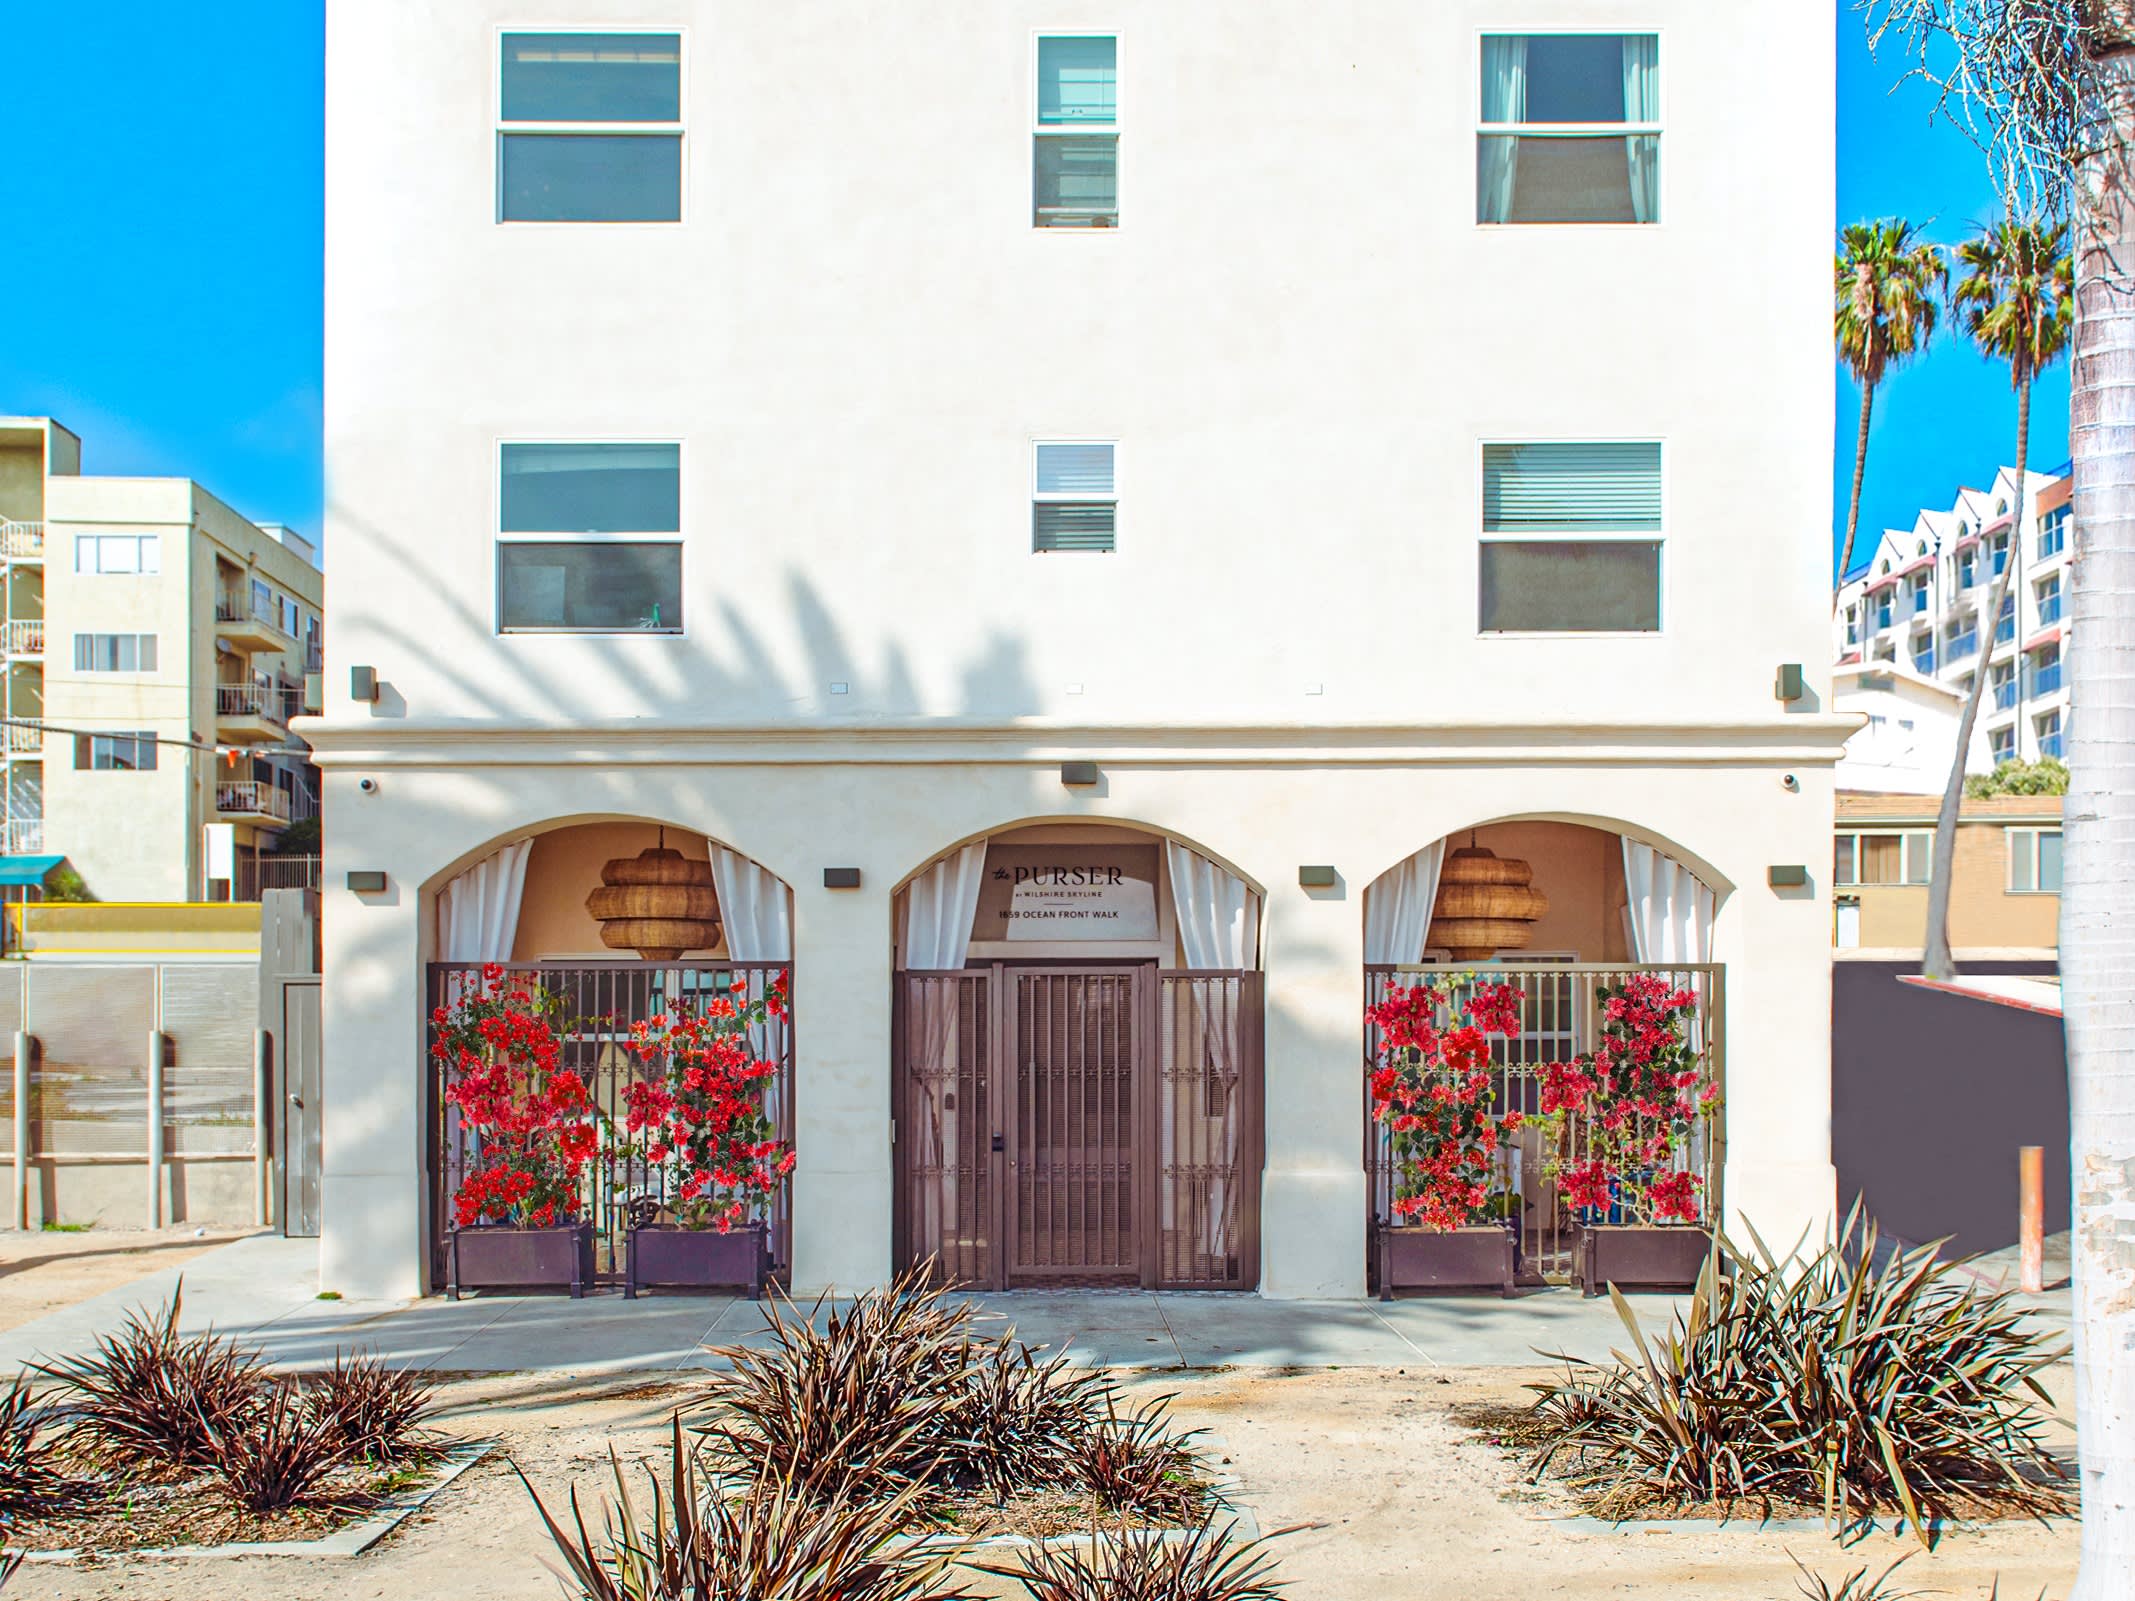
[2034, 861]
[613, 576]
[2000, 547]
[2053, 531]
[1571, 538]
[114, 753]
[2049, 595]
[590, 128]
[1075, 149]
[114, 653]
[1074, 497]
[1919, 593]
[2001, 745]
[117, 553]
[1967, 567]
[1884, 858]
[1570, 129]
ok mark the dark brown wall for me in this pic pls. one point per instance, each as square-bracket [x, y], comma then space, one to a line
[1932, 1094]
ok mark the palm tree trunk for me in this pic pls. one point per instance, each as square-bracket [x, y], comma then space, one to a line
[1935, 960]
[2097, 937]
[1860, 468]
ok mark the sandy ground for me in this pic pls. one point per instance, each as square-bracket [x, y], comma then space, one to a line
[1402, 1502]
[42, 1272]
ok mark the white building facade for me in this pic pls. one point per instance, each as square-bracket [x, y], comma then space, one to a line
[1920, 603]
[1124, 438]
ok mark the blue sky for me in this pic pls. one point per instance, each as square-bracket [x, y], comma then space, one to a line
[160, 256]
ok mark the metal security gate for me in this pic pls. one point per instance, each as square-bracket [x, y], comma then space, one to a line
[1079, 1125]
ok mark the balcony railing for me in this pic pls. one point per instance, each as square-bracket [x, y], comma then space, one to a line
[277, 703]
[22, 836]
[2046, 680]
[24, 740]
[25, 637]
[1961, 645]
[2050, 745]
[2050, 609]
[257, 873]
[20, 541]
[249, 797]
[2005, 695]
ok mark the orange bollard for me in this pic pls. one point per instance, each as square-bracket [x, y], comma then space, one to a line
[2031, 1218]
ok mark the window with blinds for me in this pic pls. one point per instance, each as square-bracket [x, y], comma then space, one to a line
[1075, 149]
[1075, 499]
[114, 653]
[1561, 548]
[590, 128]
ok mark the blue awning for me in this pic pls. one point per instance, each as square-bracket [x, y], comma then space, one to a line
[27, 869]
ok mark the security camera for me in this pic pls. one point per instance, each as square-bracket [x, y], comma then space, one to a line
[1789, 783]
[369, 786]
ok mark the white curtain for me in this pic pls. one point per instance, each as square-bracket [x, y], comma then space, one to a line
[1504, 101]
[1642, 103]
[478, 912]
[1219, 928]
[1397, 908]
[939, 907]
[1669, 913]
[755, 908]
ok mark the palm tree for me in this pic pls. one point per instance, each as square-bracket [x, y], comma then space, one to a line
[1884, 314]
[2016, 300]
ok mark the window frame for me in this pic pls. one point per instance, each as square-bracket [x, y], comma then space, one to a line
[136, 671]
[140, 542]
[1658, 537]
[1037, 130]
[1062, 498]
[678, 130]
[498, 537]
[2055, 524]
[1657, 33]
[1907, 837]
[139, 738]
[2029, 837]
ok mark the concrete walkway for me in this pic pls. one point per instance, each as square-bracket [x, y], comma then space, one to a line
[262, 1290]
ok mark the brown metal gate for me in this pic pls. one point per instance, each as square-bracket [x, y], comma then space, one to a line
[1079, 1124]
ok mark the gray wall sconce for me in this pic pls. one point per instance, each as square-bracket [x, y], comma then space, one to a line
[363, 683]
[1317, 878]
[367, 882]
[841, 878]
[1078, 775]
[1793, 877]
[1789, 686]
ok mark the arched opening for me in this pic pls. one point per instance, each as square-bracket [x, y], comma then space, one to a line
[1077, 1064]
[604, 924]
[1567, 910]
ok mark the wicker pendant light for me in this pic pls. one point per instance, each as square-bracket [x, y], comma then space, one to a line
[1486, 904]
[658, 903]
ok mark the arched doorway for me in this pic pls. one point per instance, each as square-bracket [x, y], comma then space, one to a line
[1077, 1066]
[525, 910]
[1566, 910]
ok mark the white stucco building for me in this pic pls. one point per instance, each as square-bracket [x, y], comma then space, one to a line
[1910, 737]
[1329, 445]
[1920, 601]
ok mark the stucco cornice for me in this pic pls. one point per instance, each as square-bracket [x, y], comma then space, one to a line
[1806, 740]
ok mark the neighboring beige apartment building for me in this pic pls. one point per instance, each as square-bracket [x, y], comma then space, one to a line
[157, 647]
[2005, 892]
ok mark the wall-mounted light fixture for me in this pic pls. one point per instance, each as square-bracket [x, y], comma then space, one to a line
[1317, 878]
[841, 878]
[1789, 686]
[1078, 775]
[363, 683]
[1787, 877]
[367, 882]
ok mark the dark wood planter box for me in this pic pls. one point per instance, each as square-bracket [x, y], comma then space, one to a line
[1471, 1259]
[699, 1259]
[522, 1259]
[1643, 1258]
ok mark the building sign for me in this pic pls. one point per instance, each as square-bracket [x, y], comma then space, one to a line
[1068, 892]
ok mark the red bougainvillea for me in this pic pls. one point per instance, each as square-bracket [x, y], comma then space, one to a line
[1431, 1089]
[1640, 1093]
[531, 1125]
[699, 1120]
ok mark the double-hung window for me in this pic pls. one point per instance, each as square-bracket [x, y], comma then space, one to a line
[2049, 593]
[2034, 861]
[114, 653]
[1884, 858]
[1074, 496]
[2053, 531]
[2048, 728]
[1571, 539]
[1075, 146]
[620, 569]
[117, 553]
[1570, 128]
[590, 128]
[115, 753]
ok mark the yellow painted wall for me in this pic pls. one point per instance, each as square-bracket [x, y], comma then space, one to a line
[1982, 911]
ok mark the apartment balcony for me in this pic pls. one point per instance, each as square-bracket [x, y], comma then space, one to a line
[2050, 610]
[2045, 681]
[2005, 695]
[248, 627]
[2051, 745]
[1959, 646]
[255, 711]
[22, 836]
[23, 637]
[21, 541]
[247, 800]
[24, 741]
